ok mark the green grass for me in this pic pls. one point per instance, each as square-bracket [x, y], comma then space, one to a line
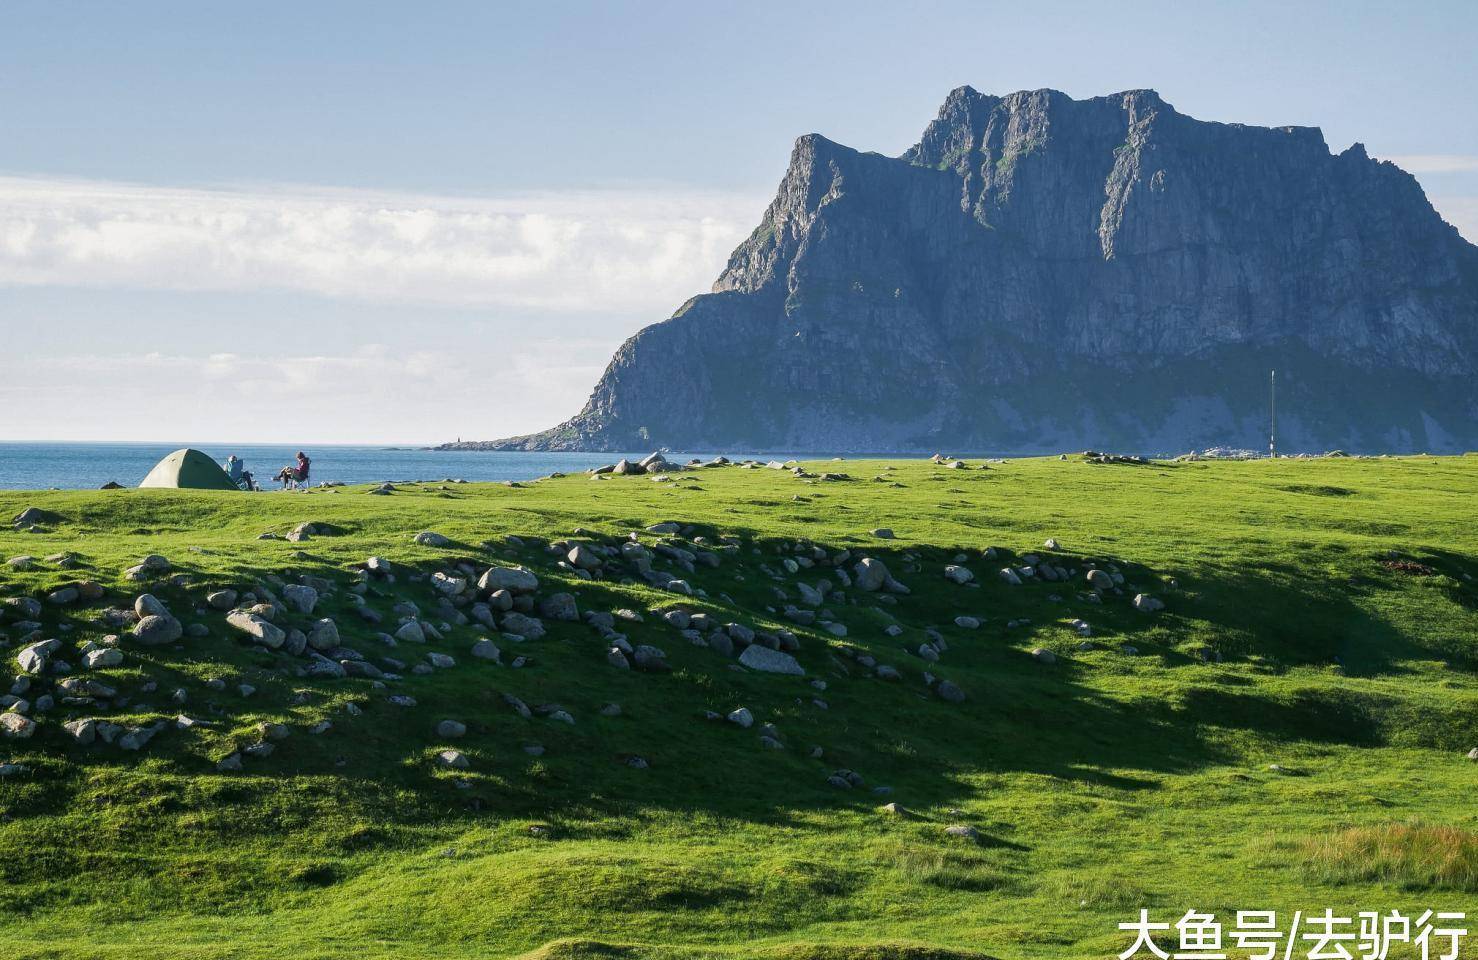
[1339, 596]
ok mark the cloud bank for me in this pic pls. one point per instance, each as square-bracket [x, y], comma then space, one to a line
[646, 250]
[371, 394]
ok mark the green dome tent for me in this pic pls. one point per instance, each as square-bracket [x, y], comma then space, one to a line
[188, 469]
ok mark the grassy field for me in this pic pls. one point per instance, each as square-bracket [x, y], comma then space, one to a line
[1289, 733]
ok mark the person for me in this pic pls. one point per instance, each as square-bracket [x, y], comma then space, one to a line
[297, 473]
[236, 470]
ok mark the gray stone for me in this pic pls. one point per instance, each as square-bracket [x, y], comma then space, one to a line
[257, 627]
[155, 630]
[765, 660]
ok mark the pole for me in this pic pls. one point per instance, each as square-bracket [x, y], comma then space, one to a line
[1272, 414]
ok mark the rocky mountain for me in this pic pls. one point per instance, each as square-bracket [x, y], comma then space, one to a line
[1040, 273]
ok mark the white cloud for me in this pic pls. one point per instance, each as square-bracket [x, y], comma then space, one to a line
[1435, 162]
[645, 250]
[373, 394]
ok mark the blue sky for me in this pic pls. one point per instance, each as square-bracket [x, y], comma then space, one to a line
[369, 222]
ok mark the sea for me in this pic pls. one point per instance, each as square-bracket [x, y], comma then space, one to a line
[87, 466]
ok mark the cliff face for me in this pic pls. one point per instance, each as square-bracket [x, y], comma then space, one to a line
[1040, 273]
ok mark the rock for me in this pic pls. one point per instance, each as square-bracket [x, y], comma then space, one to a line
[147, 605]
[428, 538]
[441, 661]
[138, 737]
[299, 598]
[156, 630]
[515, 580]
[323, 635]
[453, 759]
[1145, 603]
[412, 631]
[882, 533]
[1043, 655]
[651, 659]
[964, 831]
[64, 596]
[102, 658]
[273, 731]
[1010, 576]
[666, 527]
[559, 606]
[616, 658]
[958, 574]
[765, 660]
[485, 649]
[741, 717]
[1473, 754]
[948, 691]
[14, 726]
[230, 764]
[34, 657]
[967, 623]
[1100, 580]
[870, 574]
[83, 732]
[582, 557]
[257, 627]
[521, 625]
[451, 729]
[31, 516]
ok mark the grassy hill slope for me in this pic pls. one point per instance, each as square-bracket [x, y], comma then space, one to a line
[1288, 733]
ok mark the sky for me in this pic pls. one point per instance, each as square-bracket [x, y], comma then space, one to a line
[361, 222]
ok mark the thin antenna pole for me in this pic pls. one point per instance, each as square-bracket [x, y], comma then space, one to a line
[1272, 413]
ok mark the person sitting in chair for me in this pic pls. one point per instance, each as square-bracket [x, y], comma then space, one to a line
[295, 475]
[236, 470]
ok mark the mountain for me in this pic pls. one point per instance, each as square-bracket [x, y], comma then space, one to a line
[1040, 273]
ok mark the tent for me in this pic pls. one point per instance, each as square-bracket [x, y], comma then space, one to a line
[188, 469]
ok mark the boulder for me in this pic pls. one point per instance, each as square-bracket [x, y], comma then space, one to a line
[14, 726]
[102, 658]
[83, 731]
[559, 606]
[451, 729]
[412, 631]
[583, 558]
[765, 660]
[1145, 603]
[147, 605]
[948, 691]
[299, 598]
[34, 658]
[530, 628]
[221, 599]
[870, 574]
[486, 649]
[155, 630]
[512, 579]
[741, 717]
[452, 760]
[651, 659]
[1100, 580]
[958, 574]
[257, 627]
[428, 538]
[324, 634]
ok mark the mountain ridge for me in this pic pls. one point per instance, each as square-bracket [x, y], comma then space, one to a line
[1040, 273]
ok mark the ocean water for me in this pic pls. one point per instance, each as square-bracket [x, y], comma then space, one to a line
[87, 466]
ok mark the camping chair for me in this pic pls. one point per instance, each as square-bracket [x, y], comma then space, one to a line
[300, 483]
